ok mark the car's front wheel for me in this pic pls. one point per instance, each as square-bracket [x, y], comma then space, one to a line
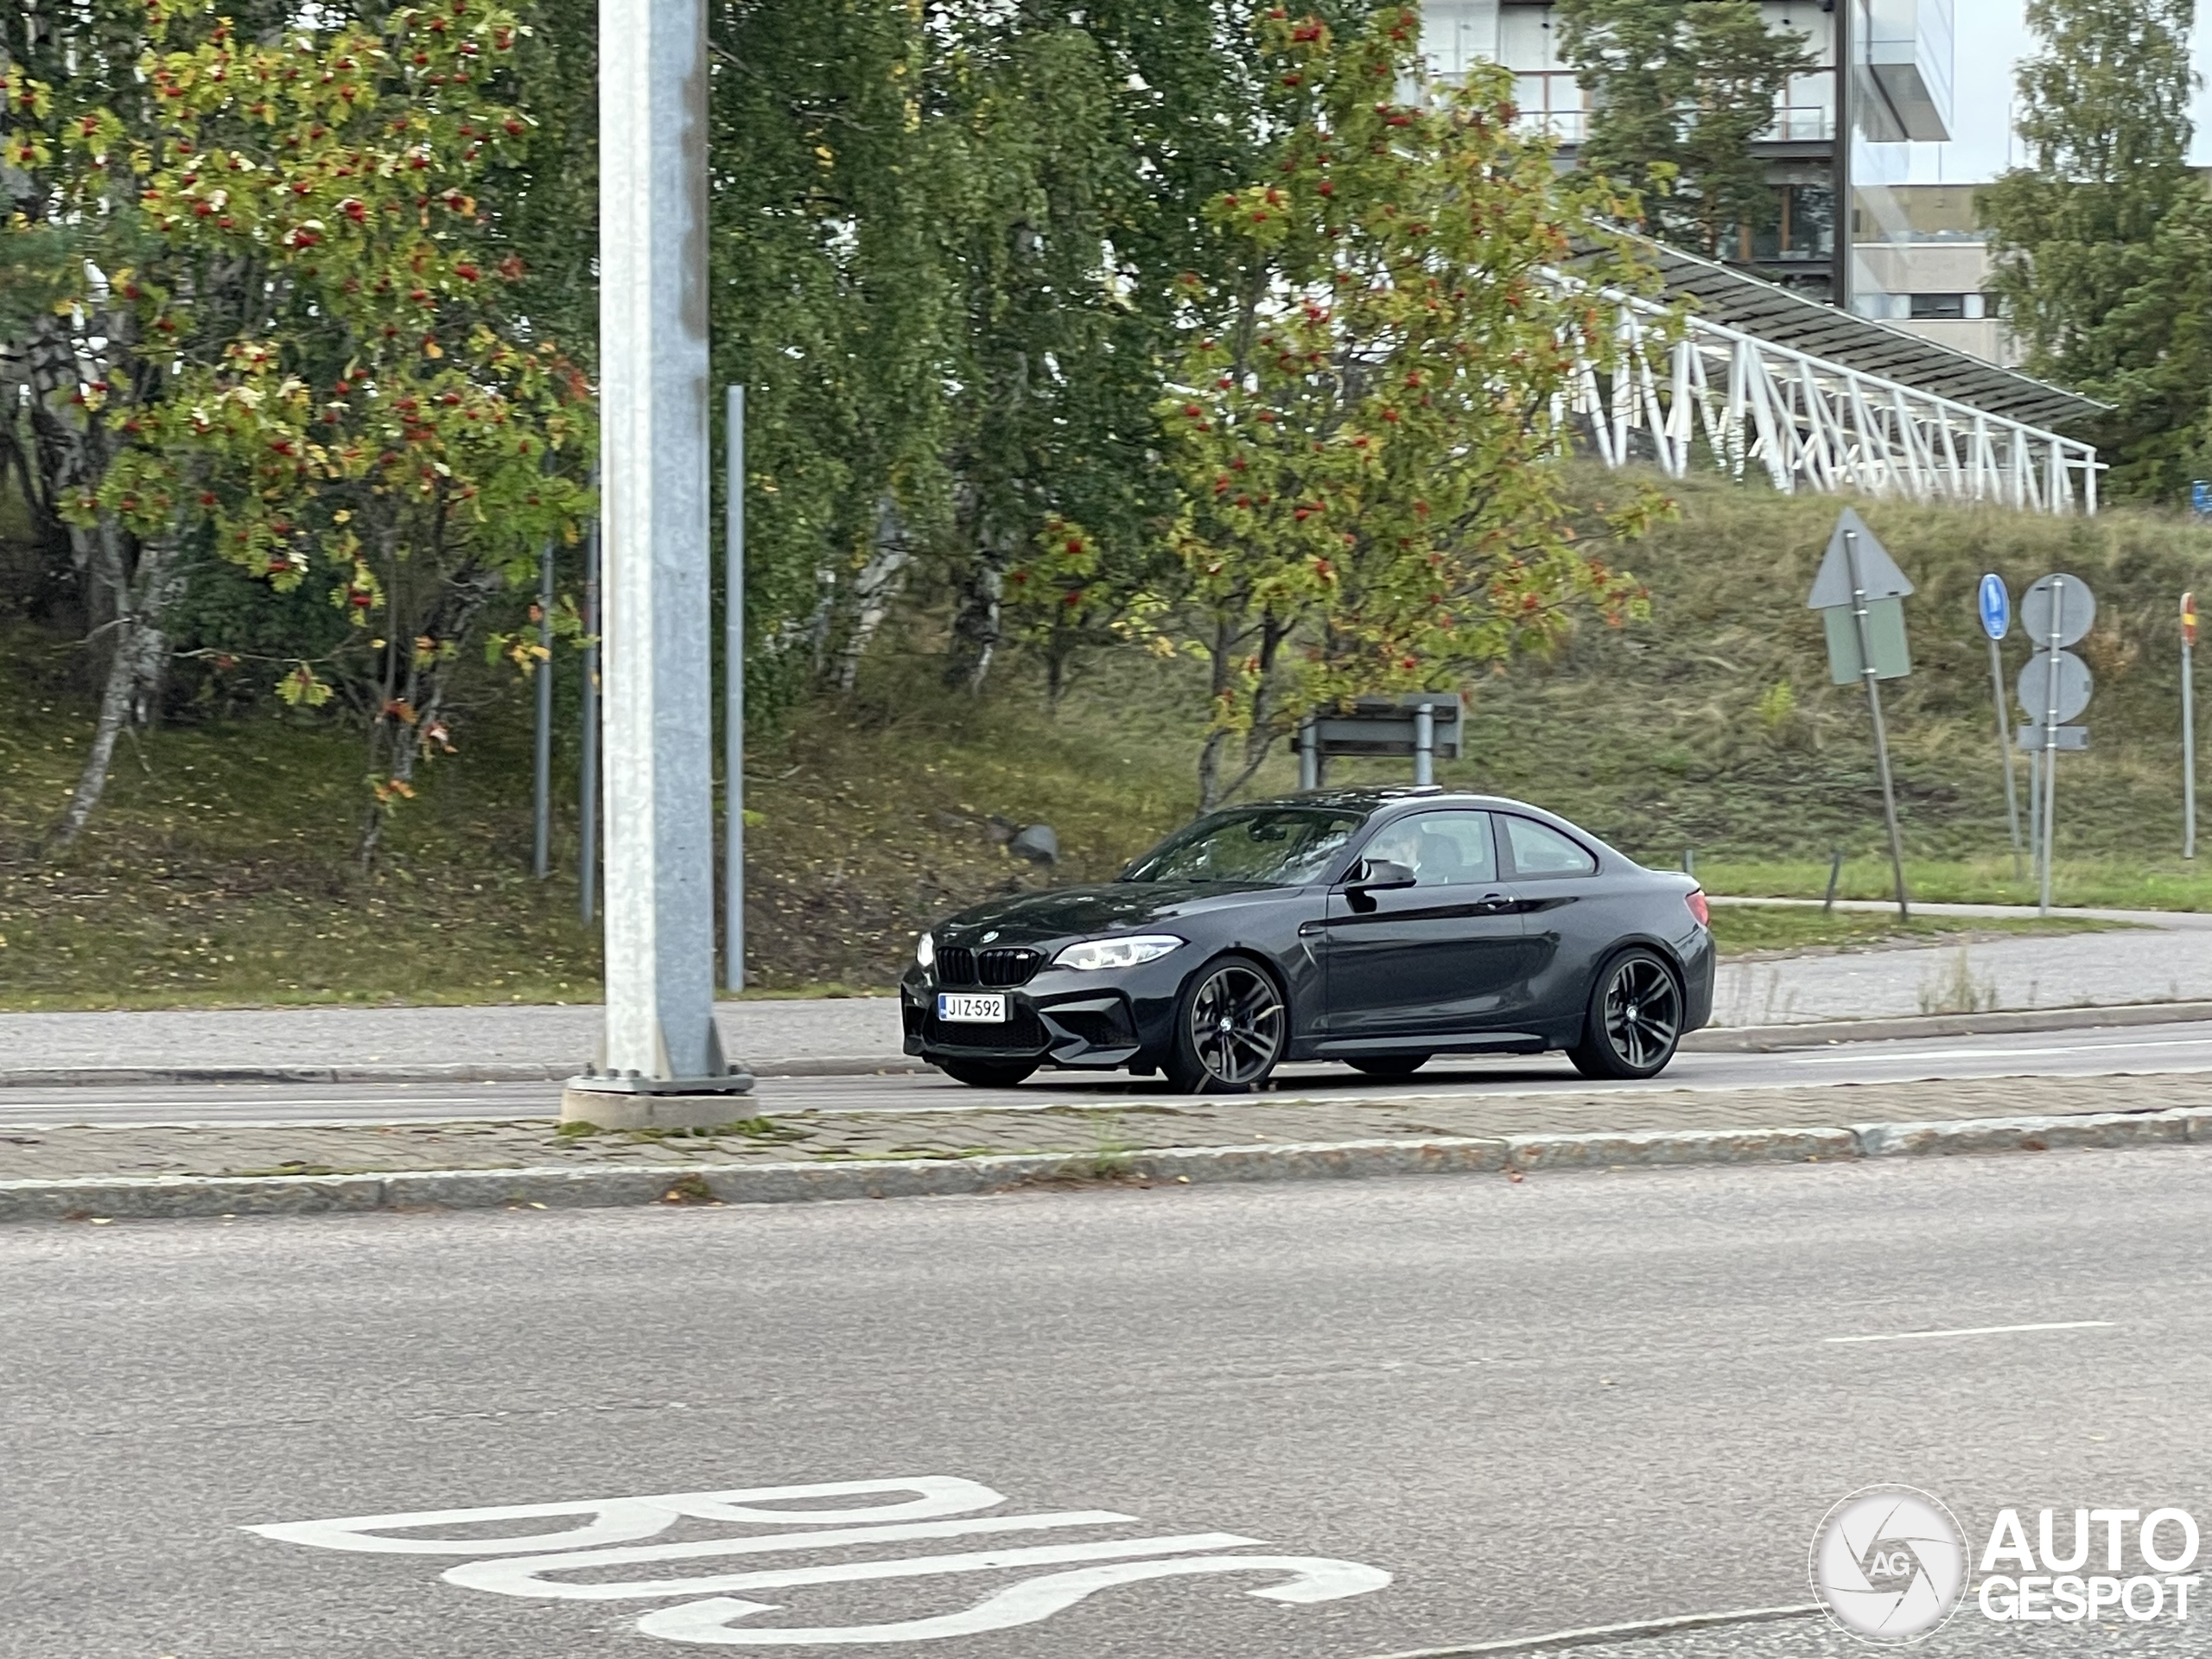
[1635, 1019]
[987, 1074]
[1230, 1029]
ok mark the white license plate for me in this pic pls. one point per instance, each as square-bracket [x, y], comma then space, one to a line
[964, 1008]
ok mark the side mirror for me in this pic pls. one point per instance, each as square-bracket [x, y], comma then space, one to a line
[1372, 874]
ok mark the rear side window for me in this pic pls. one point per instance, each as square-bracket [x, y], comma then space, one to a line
[1538, 849]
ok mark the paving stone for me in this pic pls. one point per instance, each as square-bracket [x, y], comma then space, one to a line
[1765, 1122]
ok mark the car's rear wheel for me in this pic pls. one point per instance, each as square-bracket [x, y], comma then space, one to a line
[1390, 1065]
[1230, 1029]
[987, 1074]
[1633, 1023]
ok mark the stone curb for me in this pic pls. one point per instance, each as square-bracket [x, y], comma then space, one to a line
[1731, 1040]
[179, 1196]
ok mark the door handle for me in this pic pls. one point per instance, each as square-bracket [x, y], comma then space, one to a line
[1307, 930]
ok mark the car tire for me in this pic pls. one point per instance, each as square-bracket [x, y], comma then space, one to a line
[987, 1074]
[1232, 1026]
[1634, 1022]
[1390, 1065]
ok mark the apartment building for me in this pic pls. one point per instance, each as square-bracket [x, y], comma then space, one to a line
[1837, 137]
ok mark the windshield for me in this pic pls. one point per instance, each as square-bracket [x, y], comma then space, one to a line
[1281, 846]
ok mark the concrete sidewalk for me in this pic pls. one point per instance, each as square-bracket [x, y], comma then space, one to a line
[552, 1041]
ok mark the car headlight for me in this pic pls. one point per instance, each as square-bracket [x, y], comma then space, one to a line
[1117, 953]
[925, 951]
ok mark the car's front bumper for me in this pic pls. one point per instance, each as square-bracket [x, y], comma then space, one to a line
[1102, 1019]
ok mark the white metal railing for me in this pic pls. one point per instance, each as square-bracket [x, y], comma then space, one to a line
[1553, 103]
[1809, 422]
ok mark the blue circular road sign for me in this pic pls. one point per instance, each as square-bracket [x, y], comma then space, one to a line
[1996, 608]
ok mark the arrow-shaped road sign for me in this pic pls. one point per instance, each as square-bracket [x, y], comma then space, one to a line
[1878, 574]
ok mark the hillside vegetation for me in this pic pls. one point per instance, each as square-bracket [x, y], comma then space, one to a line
[220, 869]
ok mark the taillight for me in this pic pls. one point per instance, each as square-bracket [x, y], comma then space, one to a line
[1695, 900]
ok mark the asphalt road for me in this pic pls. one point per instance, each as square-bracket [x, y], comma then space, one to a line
[1570, 1402]
[2097, 1051]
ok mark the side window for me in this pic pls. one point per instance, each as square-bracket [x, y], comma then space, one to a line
[1538, 849]
[1441, 848]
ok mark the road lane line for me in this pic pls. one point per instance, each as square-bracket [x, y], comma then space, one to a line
[1595, 1634]
[1992, 1053]
[1980, 1330]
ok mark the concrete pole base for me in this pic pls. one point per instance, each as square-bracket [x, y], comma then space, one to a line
[611, 1109]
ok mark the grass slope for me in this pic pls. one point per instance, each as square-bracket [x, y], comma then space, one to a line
[219, 868]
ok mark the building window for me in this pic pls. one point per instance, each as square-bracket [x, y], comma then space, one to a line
[1802, 228]
[1946, 308]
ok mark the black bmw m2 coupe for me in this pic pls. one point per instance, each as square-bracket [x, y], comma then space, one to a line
[1375, 926]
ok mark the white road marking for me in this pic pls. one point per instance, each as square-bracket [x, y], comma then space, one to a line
[2004, 1054]
[1980, 1330]
[520, 1575]
[519, 1565]
[1593, 1634]
[1315, 1579]
[622, 1520]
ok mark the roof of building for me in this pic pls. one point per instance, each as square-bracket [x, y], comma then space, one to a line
[1736, 300]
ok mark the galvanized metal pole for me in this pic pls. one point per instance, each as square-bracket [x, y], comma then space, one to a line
[2051, 736]
[2004, 748]
[587, 759]
[1424, 746]
[541, 856]
[1309, 770]
[2188, 725]
[662, 1061]
[734, 696]
[1874, 704]
[2034, 810]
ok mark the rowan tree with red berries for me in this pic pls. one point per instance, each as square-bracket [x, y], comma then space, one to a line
[284, 348]
[1368, 423]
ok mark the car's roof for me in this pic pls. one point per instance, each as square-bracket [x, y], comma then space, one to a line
[1372, 797]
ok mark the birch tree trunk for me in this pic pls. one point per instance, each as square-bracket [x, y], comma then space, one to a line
[140, 598]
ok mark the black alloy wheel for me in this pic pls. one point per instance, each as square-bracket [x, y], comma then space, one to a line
[987, 1074]
[1389, 1065]
[1231, 1032]
[1635, 1019]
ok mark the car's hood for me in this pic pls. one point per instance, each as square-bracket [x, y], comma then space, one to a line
[1109, 907]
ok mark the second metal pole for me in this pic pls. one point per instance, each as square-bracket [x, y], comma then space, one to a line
[2187, 727]
[541, 856]
[734, 696]
[587, 760]
[2004, 747]
[1874, 704]
[2050, 737]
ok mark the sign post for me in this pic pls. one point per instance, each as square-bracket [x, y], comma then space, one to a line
[1859, 593]
[2055, 687]
[733, 693]
[1996, 606]
[2187, 727]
